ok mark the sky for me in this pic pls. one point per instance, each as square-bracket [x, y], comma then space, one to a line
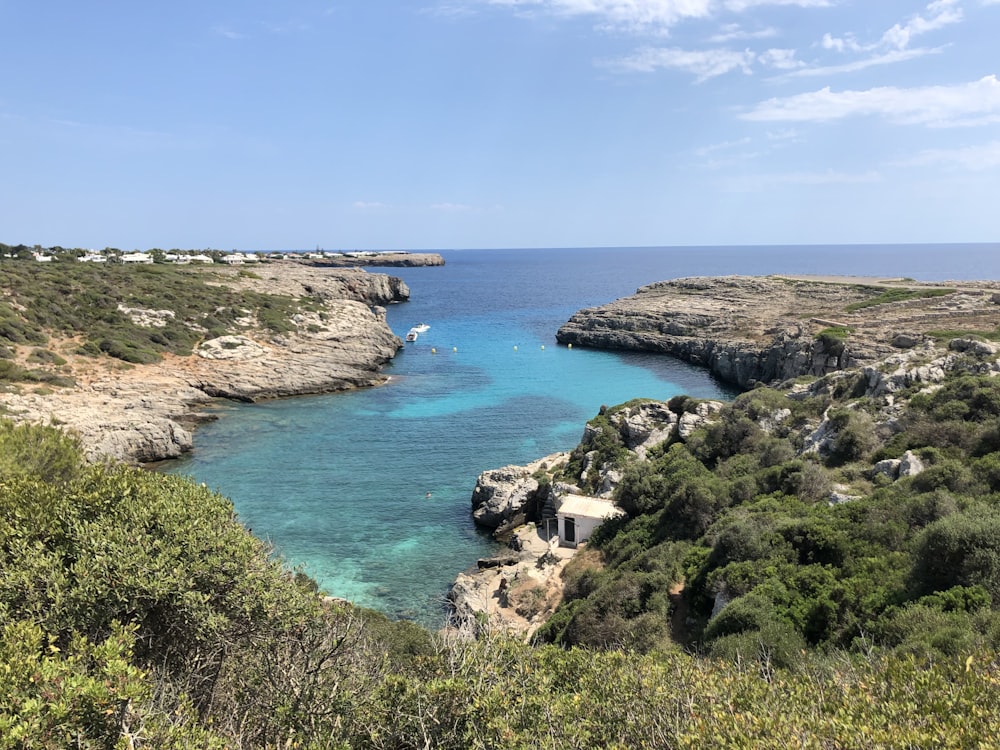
[442, 124]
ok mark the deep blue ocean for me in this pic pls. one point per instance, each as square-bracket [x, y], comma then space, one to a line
[339, 484]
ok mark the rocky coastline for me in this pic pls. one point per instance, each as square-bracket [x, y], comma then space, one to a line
[145, 413]
[749, 330]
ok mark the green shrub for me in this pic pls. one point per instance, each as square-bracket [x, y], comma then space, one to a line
[962, 549]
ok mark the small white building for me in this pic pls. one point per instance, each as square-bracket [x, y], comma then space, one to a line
[42, 258]
[92, 258]
[139, 258]
[201, 259]
[578, 516]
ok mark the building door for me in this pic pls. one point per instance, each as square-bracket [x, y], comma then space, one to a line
[570, 529]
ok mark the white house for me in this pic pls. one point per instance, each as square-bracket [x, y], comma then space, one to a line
[42, 258]
[201, 259]
[579, 515]
[141, 258]
[92, 258]
[234, 259]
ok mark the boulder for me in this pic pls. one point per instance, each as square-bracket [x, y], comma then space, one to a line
[501, 494]
[889, 467]
[910, 465]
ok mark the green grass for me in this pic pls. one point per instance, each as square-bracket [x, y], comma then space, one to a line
[888, 296]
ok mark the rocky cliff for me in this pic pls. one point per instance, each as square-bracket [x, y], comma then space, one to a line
[144, 413]
[768, 329]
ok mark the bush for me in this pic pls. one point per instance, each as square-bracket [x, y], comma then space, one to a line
[962, 549]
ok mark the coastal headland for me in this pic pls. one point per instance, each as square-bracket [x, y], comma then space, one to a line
[749, 330]
[313, 330]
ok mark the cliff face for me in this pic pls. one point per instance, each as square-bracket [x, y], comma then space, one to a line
[766, 329]
[145, 413]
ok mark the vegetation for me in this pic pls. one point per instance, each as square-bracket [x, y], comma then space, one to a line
[834, 338]
[733, 549]
[885, 296]
[734, 605]
[90, 304]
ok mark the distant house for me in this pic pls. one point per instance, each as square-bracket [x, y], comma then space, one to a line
[177, 258]
[200, 259]
[137, 258]
[92, 258]
[234, 259]
[579, 516]
[42, 258]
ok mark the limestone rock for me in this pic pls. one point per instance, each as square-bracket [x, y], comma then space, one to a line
[889, 468]
[147, 318]
[769, 329]
[230, 347]
[501, 494]
[691, 421]
[981, 348]
[906, 340]
[910, 465]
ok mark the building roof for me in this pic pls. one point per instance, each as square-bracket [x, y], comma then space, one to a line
[581, 506]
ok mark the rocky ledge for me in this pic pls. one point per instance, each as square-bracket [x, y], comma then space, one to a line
[749, 330]
[145, 413]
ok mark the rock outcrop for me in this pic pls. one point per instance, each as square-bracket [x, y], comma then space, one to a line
[750, 330]
[509, 496]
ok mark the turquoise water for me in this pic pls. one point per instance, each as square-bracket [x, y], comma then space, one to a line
[339, 484]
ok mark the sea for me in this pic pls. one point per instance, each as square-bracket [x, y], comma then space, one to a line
[369, 491]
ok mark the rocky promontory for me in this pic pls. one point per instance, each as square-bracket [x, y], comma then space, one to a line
[377, 259]
[750, 330]
[145, 412]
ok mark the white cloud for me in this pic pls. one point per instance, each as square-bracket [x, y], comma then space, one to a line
[894, 44]
[974, 103]
[703, 64]
[940, 13]
[888, 58]
[742, 5]
[633, 15]
[971, 158]
[656, 16]
[734, 32]
[782, 59]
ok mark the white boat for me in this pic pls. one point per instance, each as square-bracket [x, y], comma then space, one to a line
[412, 334]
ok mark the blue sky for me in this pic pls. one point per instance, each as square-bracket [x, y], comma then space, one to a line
[498, 123]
